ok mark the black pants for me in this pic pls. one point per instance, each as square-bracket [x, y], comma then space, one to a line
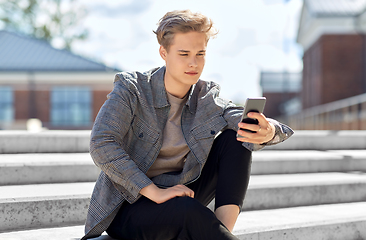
[224, 177]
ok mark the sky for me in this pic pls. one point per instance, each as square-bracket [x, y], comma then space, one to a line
[254, 36]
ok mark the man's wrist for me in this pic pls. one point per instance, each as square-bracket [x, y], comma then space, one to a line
[272, 134]
[150, 191]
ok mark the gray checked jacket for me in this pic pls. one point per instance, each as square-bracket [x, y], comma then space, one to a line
[128, 133]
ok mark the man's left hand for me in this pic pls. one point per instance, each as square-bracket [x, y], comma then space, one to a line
[264, 131]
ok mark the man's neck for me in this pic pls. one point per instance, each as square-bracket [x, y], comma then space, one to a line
[177, 90]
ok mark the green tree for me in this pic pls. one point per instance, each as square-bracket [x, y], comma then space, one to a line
[56, 21]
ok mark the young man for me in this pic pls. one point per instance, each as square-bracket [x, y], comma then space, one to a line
[166, 145]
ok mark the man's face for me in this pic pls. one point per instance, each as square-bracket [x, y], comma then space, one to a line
[185, 59]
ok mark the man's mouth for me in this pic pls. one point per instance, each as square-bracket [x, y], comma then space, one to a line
[192, 73]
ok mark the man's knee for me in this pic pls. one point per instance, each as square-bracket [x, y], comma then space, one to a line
[227, 140]
[189, 207]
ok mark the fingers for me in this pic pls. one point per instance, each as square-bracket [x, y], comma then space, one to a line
[175, 191]
[160, 195]
[262, 132]
[259, 116]
[251, 127]
[182, 191]
[250, 137]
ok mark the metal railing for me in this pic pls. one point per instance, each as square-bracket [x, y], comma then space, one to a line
[345, 114]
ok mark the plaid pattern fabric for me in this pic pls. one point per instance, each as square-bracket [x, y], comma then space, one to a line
[127, 137]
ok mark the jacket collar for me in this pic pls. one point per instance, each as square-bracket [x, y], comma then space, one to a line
[159, 92]
[158, 88]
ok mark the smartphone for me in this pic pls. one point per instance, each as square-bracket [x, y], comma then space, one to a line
[252, 105]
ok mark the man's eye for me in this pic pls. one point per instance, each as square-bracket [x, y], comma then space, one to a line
[201, 54]
[183, 54]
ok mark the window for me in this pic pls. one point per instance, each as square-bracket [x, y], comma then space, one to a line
[6, 104]
[71, 106]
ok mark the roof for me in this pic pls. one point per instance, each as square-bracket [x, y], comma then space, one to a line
[320, 17]
[23, 53]
[336, 7]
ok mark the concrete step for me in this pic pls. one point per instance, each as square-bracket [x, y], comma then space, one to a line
[78, 141]
[33, 168]
[49, 205]
[323, 140]
[47, 168]
[55, 141]
[43, 205]
[308, 161]
[320, 222]
[291, 190]
[336, 222]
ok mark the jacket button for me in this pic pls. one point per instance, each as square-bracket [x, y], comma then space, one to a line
[141, 135]
[213, 132]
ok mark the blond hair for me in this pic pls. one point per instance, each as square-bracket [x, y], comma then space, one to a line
[182, 21]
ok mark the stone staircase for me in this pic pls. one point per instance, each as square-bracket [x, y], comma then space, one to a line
[312, 186]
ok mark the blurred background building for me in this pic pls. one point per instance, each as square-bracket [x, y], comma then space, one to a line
[282, 90]
[332, 34]
[333, 37]
[37, 81]
[65, 91]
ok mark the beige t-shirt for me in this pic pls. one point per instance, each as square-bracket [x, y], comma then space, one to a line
[175, 149]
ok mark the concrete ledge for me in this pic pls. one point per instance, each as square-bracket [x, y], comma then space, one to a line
[31, 168]
[347, 229]
[291, 190]
[308, 161]
[43, 212]
[78, 141]
[336, 222]
[283, 197]
[47, 205]
[44, 142]
[323, 140]
[50, 205]
[47, 168]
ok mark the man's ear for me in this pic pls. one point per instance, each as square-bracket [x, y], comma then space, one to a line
[163, 52]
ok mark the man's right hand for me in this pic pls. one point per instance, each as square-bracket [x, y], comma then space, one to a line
[160, 195]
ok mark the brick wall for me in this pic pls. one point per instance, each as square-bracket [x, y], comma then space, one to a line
[42, 105]
[333, 69]
[39, 105]
[99, 98]
[342, 66]
[312, 75]
[21, 104]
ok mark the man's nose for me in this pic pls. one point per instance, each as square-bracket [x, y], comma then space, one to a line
[193, 62]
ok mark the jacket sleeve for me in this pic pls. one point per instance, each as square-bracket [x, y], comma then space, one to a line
[232, 115]
[106, 144]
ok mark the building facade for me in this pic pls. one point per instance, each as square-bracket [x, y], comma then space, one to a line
[332, 33]
[62, 90]
[282, 90]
